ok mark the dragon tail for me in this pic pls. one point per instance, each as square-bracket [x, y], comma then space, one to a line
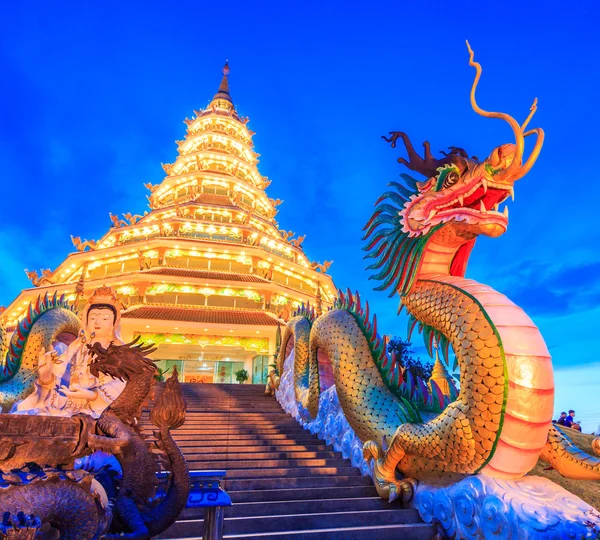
[169, 413]
[306, 377]
[567, 459]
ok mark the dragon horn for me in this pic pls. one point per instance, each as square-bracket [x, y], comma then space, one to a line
[514, 170]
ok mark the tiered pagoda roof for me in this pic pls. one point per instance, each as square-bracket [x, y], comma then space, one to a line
[209, 242]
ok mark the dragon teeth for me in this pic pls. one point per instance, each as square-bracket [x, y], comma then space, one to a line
[497, 207]
[512, 193]
[506, 211]
[482, 207]
[484, 185]
[431, 214]
[461, 199]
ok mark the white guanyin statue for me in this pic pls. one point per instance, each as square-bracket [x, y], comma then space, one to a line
[64, 384]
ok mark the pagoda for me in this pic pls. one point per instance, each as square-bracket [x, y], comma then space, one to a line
[206, 273]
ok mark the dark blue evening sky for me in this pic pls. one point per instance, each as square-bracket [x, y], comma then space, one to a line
[92, 98]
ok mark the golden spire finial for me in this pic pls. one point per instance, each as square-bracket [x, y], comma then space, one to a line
[223, 92]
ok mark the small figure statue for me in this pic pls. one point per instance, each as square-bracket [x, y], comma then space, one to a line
[178, 211]
[275, 202]
[269, 271]
[81, 246]
[116, 221]
[287, 234]
[36, 280]
[235, 198]
[133, 219]
[64, 384]
[33, 277]
[151, 187]
[321, 267]
[297, 242]
[265, 183]
[167, 167]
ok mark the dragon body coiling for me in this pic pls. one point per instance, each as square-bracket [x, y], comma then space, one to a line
[49, 320]
[499, 423]
[420, 238]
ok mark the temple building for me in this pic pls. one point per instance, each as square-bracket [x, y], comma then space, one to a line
[206, 273]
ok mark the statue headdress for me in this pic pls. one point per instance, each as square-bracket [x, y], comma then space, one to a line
[103, 296]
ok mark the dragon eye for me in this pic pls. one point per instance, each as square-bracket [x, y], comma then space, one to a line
[450, 179]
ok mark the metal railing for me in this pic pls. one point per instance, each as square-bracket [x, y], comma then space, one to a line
[206, 492]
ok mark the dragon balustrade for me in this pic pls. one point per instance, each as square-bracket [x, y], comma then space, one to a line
[41, 488]
[497, 424]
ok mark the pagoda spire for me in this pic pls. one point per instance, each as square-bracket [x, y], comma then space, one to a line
[440, 374]
[222, 98]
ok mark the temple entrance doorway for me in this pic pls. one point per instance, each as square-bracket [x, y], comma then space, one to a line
[212, 364]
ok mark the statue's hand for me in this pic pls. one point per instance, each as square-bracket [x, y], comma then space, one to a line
[65, 391]
[45, 364]
[79, 392]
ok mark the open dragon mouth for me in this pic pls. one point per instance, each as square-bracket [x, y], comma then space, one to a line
[475, 204]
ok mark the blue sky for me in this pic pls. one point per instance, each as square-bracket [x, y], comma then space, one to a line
[93, 99]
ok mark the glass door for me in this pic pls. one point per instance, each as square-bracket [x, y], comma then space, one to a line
[260, 369]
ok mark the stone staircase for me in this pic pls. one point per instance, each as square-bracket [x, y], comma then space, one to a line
[283, 481]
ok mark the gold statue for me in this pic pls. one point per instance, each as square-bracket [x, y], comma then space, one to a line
[133, 219]
[297, 242]
[81, 246]
[321, 267]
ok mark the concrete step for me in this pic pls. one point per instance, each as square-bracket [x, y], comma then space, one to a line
[250, 430]
[322, 482]
[276, 508]
[286, 522]
[224, 464]
[241, 440]
[258, 456]
[295, 472]
[301, 494]
[412, 531]
[261, 448]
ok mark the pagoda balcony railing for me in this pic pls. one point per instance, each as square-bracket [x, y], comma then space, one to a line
[203, 307]
[189, 235]
[306, 290]
[217, 239]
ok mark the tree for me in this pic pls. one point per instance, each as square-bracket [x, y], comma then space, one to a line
[404, 355]
[241, 376]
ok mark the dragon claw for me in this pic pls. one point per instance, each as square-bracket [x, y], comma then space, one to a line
[388, 486]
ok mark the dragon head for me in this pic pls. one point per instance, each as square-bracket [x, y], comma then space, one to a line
[121, 361]
[459, 199]
[463, 193]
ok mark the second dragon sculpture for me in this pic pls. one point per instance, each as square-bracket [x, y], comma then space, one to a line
[420, 238]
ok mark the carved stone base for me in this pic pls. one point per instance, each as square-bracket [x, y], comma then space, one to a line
[528, 508]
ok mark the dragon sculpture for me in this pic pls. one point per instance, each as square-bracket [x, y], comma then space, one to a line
[37, 453]
[420, 238]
